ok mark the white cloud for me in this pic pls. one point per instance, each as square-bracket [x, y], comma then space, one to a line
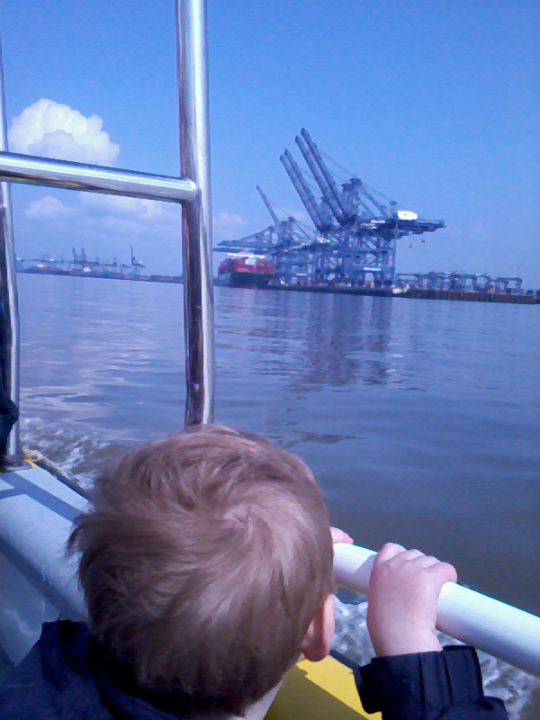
[108, 219]
[50, 129]
[120, 226]
[228, 226]
[105, 210]
[141, 209]
[227, 220]
[49, 208]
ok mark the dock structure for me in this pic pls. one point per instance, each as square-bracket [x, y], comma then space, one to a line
[81, 265]
[356, 228]
[460, 282]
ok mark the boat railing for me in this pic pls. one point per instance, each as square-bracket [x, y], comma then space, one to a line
[487, 624]
[191, 188]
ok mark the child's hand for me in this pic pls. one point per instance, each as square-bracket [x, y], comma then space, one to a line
[404, 589]
[340, 536]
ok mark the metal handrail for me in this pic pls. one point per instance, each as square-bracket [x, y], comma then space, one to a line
[192, 189]
[68, 175]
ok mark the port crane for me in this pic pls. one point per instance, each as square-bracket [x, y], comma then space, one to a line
[268, 205]
[322, 176]
[361, 241]
[319, 215]
[289, 233]
[283, 241]
[356, 227]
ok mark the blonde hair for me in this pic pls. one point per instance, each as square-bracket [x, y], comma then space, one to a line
[203, 561]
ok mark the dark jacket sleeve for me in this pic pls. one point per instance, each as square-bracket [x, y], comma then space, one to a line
[9, 412]
[443, 685]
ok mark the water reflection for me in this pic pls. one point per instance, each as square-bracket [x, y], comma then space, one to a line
[92, 348]
[315, 340]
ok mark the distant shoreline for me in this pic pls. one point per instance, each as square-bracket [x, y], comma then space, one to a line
[177, 279]
[411, 293]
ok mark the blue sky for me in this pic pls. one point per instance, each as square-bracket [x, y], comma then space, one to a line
[435, 103]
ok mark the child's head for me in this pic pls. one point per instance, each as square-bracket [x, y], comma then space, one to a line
[205, 559]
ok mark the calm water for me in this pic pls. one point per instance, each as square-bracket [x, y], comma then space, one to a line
[420, 418]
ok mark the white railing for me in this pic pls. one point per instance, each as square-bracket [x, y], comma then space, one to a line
[490, 625]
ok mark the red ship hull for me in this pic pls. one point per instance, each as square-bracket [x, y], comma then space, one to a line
[245, 272]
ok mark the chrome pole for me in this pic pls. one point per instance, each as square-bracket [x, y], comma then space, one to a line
[9, 302]
[196, 215]
[69, 175]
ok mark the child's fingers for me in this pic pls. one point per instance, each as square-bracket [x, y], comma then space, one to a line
[445, 572]
[413, 554]
[389, 550]
[340, 536]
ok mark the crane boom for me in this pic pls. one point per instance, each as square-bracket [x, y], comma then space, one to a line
[302, 188]
[330, 182]
[320, 180]
[269, 207]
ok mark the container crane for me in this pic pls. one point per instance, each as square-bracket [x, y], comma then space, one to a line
[282, 235]
[302, 188]
[504, 284]
[287, 231]
[268, 206]
[331, 193]
[327, 197]
[355, 240]
[352, 197]
[136, 265]
[80, 260]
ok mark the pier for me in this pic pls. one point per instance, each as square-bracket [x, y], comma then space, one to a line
[527, 298]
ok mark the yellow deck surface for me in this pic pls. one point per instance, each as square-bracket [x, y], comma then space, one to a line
[319, 691]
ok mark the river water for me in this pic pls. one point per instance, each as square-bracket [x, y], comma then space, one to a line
[419, 418]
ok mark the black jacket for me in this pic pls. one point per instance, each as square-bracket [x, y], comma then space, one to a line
[9, 415]
[428, 686]
[62, 678]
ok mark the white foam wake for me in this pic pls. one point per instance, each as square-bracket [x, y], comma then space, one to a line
[81, 455]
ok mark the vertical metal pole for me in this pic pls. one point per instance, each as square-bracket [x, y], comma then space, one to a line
[9, 303]
[394, 251]
[196, 215]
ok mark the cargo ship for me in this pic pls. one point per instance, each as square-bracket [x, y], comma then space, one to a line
[245, 270]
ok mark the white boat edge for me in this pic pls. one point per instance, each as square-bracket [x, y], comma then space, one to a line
[38, 581]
